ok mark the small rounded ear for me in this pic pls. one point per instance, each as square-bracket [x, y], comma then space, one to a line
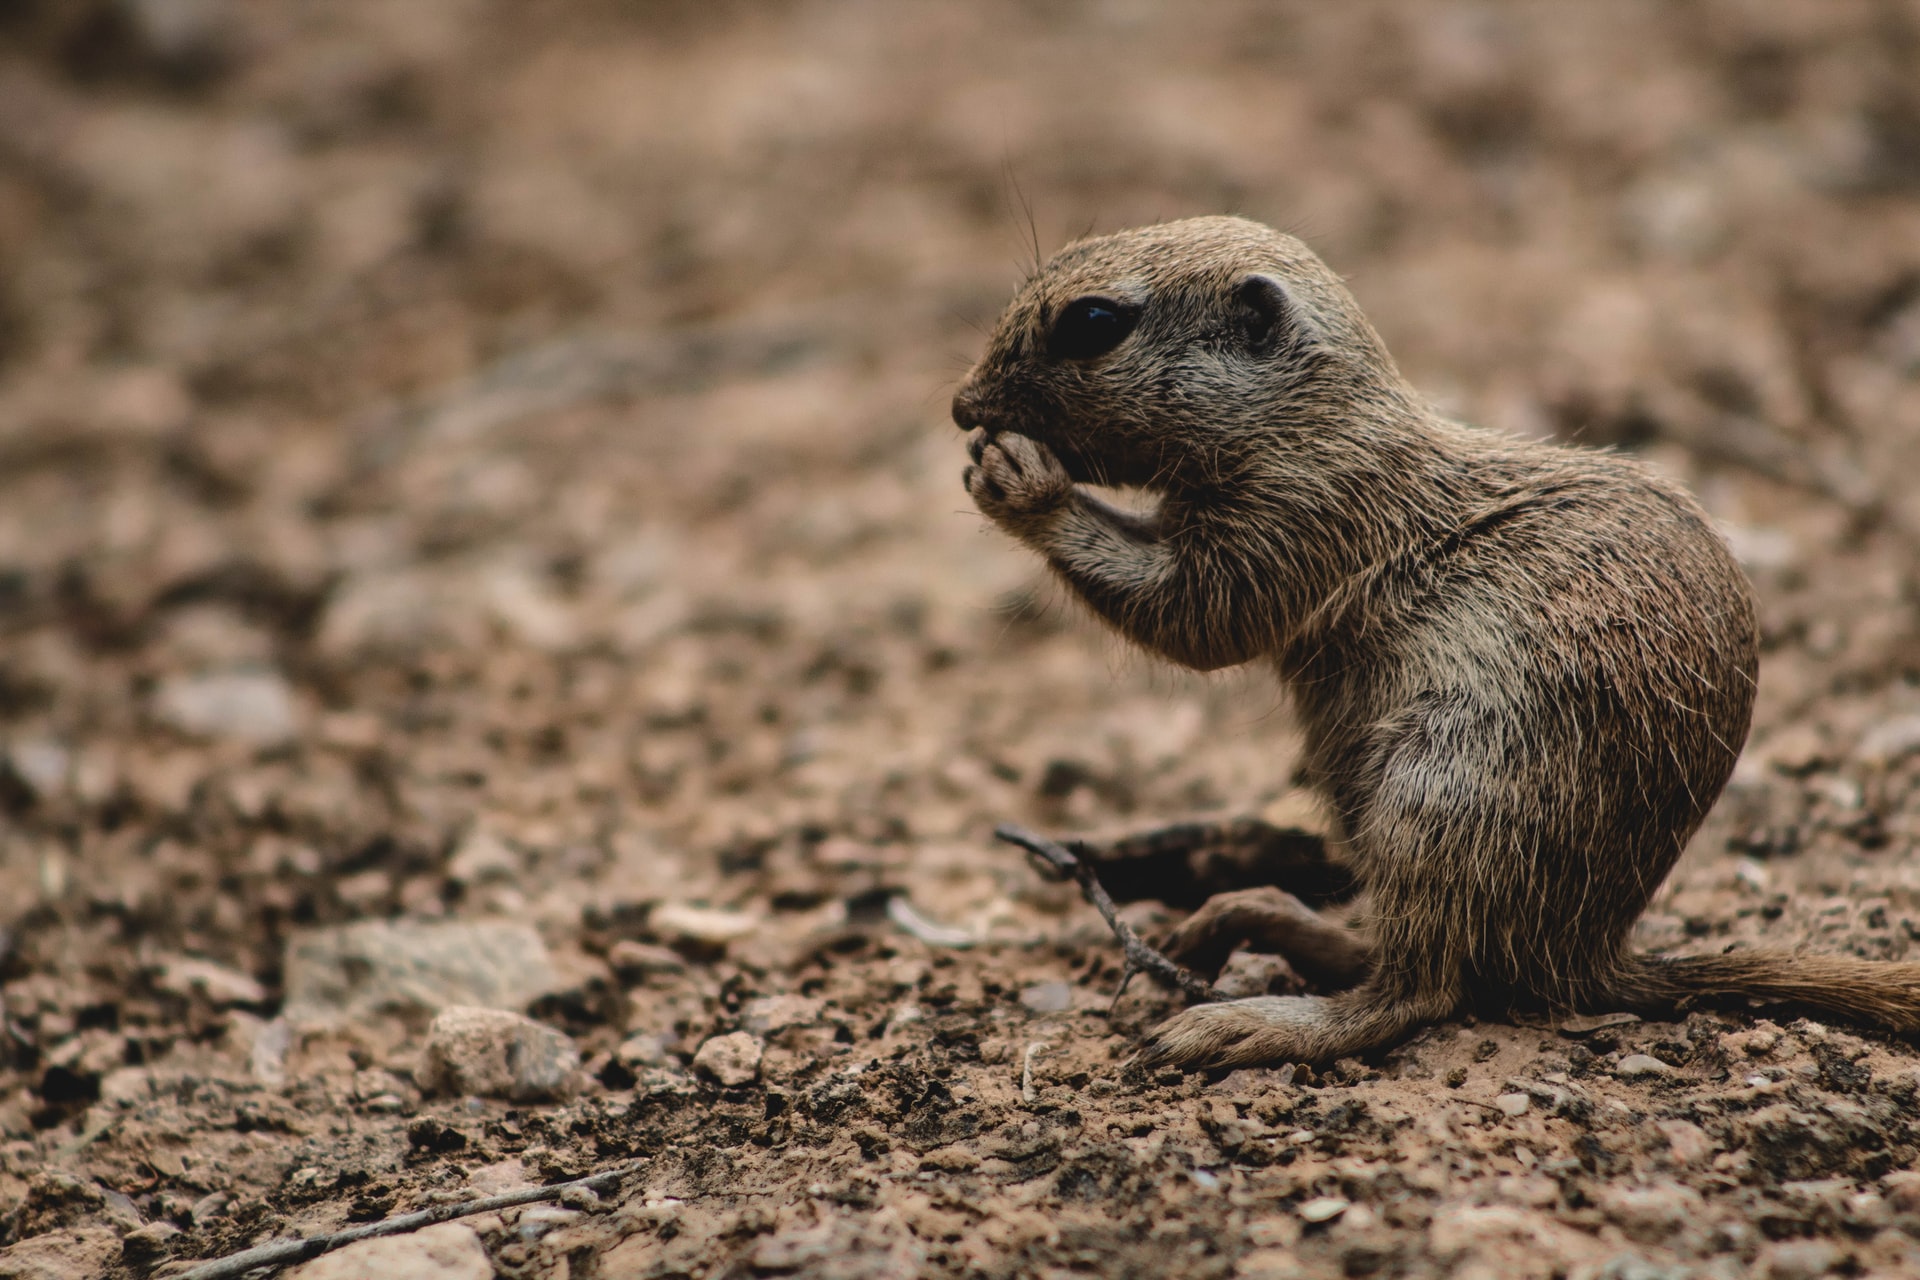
[1265, 311]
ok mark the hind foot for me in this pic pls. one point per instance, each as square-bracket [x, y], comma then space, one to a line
[1269, 1030]
[1262, 1031]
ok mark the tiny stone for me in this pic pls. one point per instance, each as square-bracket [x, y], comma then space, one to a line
[768, 1014]
[1048, 997]
[634, 961]
[642, 1051]
[183, 975]
[496, 1054]
[41, 764]
[246, 706]
[731, 1060]
[1638, 1065]
[1513, 1104]
[481, 857]
[1890, 740]
[700, 924]
[1323, 1208]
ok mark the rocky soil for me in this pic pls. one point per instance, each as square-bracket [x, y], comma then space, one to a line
[499, 679]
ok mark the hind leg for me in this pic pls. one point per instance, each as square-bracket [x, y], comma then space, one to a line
[1270, 919]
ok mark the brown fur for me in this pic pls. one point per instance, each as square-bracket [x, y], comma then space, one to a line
[1524, 671]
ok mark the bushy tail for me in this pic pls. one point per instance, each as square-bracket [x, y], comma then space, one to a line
[1874, 992]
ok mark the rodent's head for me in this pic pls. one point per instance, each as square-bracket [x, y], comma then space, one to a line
[1170, 354]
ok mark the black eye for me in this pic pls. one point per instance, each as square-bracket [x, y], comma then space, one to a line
[1089, 327]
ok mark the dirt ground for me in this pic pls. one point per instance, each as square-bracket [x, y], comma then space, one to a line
[483, 463]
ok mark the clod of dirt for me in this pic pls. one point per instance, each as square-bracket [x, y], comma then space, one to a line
[254, 707]
[408, 967]
[731, 1060]
[449, 1251]
[492, 1053]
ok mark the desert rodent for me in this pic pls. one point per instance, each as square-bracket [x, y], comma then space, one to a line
[1523, 671]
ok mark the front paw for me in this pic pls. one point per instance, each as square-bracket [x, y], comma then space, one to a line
[1014, 478]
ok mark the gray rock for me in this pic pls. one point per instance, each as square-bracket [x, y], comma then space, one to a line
[1637, 1066]
[1513, 1104]
[413, 968]
[449, 1251]
[730, 1060]
[492, 1053]
[254, 707]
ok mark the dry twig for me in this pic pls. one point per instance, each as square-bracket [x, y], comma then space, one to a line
[1057, 862]
[282, 1253]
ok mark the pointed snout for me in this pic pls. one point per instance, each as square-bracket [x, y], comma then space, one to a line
[966, 406]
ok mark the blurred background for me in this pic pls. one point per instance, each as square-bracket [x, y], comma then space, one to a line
[483, 460]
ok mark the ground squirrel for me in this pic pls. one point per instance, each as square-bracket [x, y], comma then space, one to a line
[1523, 671]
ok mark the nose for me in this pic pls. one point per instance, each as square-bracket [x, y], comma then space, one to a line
[966, 407]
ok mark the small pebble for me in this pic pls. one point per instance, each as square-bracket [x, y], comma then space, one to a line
[492, 1053]
[707, 925]
[1323, 1208]
[643, 1050]
[1048, 997]
[730, 1060]
[635, 961]
[1513, 1104]
[254, 707]
[1636, 1066]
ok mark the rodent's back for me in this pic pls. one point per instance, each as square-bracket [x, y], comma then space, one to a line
[1571, 675]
